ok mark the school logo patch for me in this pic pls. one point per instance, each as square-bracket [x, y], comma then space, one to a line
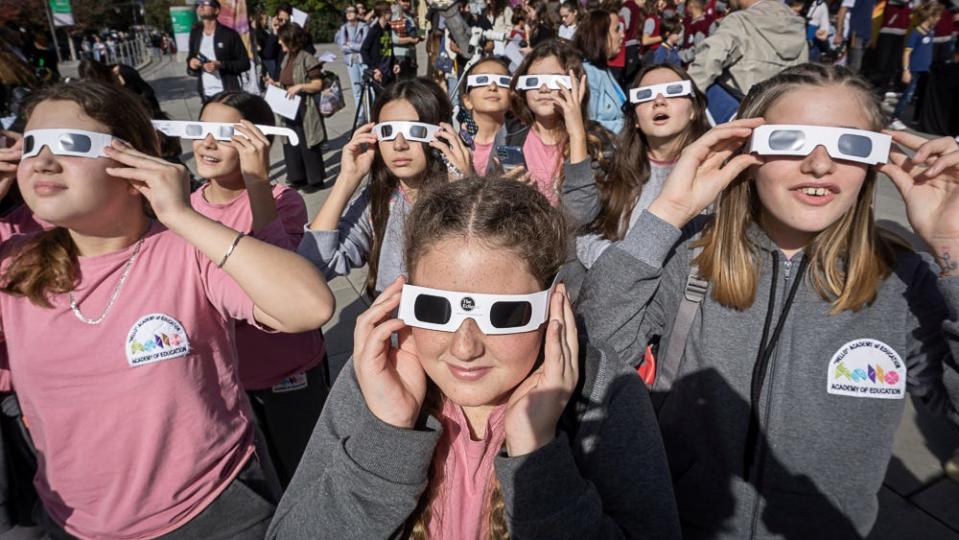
[154, 338]
[867, 368]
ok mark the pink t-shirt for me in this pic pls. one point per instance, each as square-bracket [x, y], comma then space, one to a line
[266, 360]
[139, 421]
[481, 154]
[459, 509]
[544, 162]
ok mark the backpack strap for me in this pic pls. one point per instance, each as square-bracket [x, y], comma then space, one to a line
[669, 362]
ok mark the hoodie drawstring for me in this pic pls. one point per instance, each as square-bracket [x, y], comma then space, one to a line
[762, 359]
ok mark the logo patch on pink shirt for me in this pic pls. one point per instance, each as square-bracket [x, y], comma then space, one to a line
[154, 338]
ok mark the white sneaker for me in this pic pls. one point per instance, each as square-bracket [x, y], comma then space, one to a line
[892, 95]
[898, 125]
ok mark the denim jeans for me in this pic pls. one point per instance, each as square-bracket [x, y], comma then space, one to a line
[356, 81]
[907, 95]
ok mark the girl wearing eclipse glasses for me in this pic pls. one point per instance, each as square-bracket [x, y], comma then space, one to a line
[790, 327]
[409, 118]
[119, 330]
[491, 417]
[665, 114]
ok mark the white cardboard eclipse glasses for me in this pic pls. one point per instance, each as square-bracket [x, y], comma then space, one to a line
[485, 80]
[643, 94]
[411, 131]
[221, 131]
[66, 142]
[849, 144]
[553, 82]
[495, 314]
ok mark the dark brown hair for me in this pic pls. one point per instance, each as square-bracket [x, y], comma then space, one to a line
[294, 37]
[500, 213]
[620, 189]
[669, 26]
[569, 58]
[432, 106]
[592, 37]
[46, 264]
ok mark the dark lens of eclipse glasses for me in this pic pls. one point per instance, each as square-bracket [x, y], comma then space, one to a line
[432, 309]
[510, 314]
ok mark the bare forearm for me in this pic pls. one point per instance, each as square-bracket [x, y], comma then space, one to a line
[289, 293]
[262, 204]
[328, 217]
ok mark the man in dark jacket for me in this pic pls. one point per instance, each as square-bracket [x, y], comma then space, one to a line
[217, 56]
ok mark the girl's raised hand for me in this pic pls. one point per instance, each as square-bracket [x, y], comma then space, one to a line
[393, 384]
[166, 186]
[449, 143]
[704, 168]
[929, 184]
[535, 406]
[569, 102]
[10, 155]
[357, 157]
[254, 150]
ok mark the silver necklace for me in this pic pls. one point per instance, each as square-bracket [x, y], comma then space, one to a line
[116, 290]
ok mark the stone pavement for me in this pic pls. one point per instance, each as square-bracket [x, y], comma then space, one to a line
[916, 501]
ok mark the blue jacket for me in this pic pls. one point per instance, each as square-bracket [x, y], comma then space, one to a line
[606, 98]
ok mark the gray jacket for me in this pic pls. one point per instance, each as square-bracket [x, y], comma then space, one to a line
[753, 44]
[604, 476]
[820, 456]
[337, 252]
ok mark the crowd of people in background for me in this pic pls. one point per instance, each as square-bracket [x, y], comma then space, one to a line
[623, 265]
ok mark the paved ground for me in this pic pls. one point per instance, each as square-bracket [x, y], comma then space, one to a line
[917, 501]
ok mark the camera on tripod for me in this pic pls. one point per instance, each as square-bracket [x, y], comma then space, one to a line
[478, 36]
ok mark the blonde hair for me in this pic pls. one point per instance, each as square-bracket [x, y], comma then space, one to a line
[847, 261]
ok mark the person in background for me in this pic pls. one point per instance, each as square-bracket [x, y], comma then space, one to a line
[405, 36]
[944, 35]
[541, 24]
[569, 14]
[350, 38]
[302, 74]
[817, 28]
[377, 49]
[668, 52]
[889, 45]
[631, 17]
[599, 40]
[500, 16]
[860, 29]
[217, 56]
[697, 26]
[651, 33]
[753, 43]
[916, 58]
[44, 59]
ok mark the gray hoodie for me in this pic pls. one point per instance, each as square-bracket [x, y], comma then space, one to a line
[825, 432]
[337, 252]
[753, 44]
[604, 476]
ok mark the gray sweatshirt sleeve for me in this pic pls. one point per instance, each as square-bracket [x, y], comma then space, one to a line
[933, 345]
[621, 301]
[622, 490]
[337, 252]
[580, 196]
[359, 477]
